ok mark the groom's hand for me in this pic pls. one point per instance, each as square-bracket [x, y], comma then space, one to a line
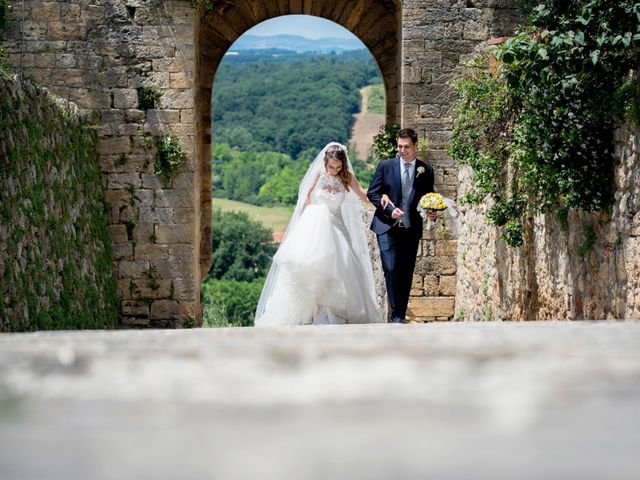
[397, 213]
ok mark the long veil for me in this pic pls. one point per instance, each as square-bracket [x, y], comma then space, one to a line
[353, 218]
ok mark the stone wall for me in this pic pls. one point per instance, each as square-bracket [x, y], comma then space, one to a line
[55, 253]
[440, 36]
[97, 54]
[547, 278]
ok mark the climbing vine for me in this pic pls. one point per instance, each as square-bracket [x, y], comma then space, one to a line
[538, 132]
[4, 13]
[148, 95]
[384, 143]
[169, 156]
[55, 248]
[208, 5]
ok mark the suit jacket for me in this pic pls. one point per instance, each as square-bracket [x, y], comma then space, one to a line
[387, 180]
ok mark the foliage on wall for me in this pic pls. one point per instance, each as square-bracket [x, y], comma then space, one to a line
[55, 250]
[385, 142]
[538, 133]
[4, 13]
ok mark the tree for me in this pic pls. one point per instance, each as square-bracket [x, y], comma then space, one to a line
[228, 303]
[242, 248]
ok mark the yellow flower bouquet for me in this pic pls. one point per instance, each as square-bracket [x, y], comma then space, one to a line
[431, 202]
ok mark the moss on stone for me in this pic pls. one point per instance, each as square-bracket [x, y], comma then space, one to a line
[54, 242]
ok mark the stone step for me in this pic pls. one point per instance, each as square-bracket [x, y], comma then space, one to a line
[439, 400]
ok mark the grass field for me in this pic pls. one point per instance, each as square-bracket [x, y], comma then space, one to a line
[275, 218]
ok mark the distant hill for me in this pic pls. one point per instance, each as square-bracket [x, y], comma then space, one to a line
[296, 43]
[289, 103]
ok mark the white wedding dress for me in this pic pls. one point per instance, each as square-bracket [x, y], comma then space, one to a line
[321, 274]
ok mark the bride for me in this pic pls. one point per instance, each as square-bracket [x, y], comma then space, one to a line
[322, 274]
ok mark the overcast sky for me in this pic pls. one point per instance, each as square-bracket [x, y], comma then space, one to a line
[303, 25]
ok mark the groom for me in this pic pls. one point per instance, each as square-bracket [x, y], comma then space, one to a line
[398, 226]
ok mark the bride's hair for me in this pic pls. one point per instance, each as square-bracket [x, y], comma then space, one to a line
[336, 152]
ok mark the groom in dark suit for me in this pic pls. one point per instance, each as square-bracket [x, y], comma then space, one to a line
[398, 226]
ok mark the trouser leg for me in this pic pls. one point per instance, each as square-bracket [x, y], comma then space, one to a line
[388, 257]
[407, 250]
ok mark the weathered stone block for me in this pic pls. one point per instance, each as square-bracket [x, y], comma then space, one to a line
[431, 306]
[118, 234]
[45, 11]
[163, 116]
[120, 181]
[135, 321]
[152, 181]
[134, 116]
[168, 309]
[476, 31]
[182, 250]
[176, 99]
[154, 288]
[91, 98]
[135, 308]
[129, 129]
[133, 269]
[174, 198]
[179, 80]
[122, 251]
[447, 286]
[156, 214]
[187, 116]
[125, 98]
[436, 265]
[446, 247]
[154, 252]
[431, 285]
[174, 234]
[114, 146]
[66, 60]
[183, 289]
[45, 60]
[124, 288]
[428, 248]
[66, 31]
[69, 77]
[143, 232]
[70, 12]
[186, 217]
[412, 74]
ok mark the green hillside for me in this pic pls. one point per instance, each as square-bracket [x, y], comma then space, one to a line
[293, 104]
[276, 218]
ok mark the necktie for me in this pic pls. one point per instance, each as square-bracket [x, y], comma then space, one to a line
[406, 190]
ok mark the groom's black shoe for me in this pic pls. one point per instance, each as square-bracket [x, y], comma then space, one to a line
[397, 320]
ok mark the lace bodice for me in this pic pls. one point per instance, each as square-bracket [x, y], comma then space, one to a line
[329, 191]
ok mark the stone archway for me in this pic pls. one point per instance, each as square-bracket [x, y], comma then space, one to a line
[376, 23]
[99, 55]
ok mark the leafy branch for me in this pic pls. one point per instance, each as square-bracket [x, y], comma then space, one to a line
[539, 133]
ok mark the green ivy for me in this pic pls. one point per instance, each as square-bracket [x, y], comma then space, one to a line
[148, 95]
[4, 14]
[206, 5]
[385, 142]
[588, 241]
[169, 156]
[539, 132]
[56, 256]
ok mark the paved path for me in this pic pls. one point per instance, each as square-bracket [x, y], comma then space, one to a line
[554, 400]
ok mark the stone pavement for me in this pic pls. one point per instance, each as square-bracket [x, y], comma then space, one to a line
[552, 400]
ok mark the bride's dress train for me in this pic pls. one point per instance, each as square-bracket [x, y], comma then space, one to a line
[321, 278]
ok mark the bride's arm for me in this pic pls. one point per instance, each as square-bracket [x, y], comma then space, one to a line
[358, 190]
[307, 201]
